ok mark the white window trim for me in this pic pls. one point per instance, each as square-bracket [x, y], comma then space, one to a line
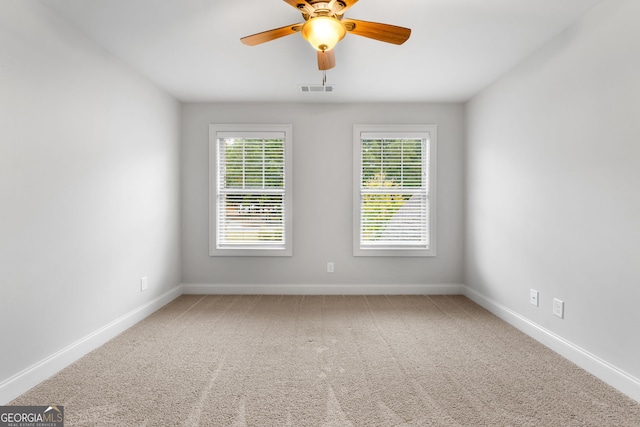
[395, 130]
[214, 129]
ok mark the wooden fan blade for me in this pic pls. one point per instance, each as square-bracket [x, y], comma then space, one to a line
[303, 6]
[295, 3]
[347, 5]
[374, 30]
[267, 36]
[326, 60]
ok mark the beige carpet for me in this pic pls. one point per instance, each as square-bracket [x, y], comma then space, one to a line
[328, 361]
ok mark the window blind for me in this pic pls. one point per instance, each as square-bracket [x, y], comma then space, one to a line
[394, 199]
[250, 202]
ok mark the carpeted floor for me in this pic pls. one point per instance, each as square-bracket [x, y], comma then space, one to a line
[328, 361]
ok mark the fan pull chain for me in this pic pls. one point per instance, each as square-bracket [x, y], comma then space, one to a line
[324, 77]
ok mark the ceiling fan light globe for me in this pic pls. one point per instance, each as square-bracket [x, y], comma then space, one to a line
[323, 32]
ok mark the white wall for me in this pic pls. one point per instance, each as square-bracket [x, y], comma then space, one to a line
[322, 180]
[89, 187]
[553, 181]
[90, 199]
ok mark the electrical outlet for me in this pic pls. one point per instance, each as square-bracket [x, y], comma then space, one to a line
[533, 297]
[558, 308]
[144, 284]
[330, 267]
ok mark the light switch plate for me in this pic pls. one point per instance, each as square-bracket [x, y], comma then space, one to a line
[558, 308]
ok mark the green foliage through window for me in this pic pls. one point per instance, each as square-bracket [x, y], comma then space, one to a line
[251, 190]
[393, 198]
[252, 163]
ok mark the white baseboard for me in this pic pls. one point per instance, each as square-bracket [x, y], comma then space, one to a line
[32, 376]
[601, 369]
[322, 289]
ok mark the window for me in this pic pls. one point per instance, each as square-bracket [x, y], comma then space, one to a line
[250, 196]
[394, 190]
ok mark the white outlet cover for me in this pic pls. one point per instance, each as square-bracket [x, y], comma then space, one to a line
[144, 283]
[533, 297]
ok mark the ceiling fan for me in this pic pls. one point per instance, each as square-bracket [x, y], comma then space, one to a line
[325, 26]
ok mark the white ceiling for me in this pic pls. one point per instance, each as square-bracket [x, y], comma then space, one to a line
[192, 48]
